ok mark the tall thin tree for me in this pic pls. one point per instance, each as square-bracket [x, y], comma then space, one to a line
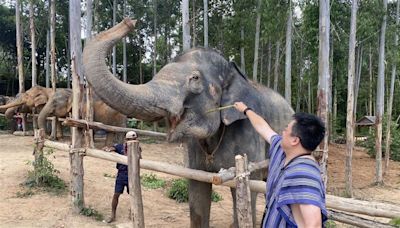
[76, 160]
[124, 62]
[323, 85]
[350, 99]
[53, 44]
[47, 65]
[276, 65]
[288, 57]
[114, 50]
[242, 57]
[33, 41]
[20, 55]
[257, 41]
[380, 92]
[185, 25]
[89, 91]
[205, 3]
[390, 104]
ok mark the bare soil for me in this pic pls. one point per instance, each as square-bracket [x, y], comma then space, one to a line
[47, 210]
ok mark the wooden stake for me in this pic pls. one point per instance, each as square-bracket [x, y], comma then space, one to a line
[135, 191]
[243, 198]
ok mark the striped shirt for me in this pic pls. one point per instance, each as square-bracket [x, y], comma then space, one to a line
[298, 183]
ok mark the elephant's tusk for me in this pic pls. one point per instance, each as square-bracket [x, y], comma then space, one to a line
[220, 108]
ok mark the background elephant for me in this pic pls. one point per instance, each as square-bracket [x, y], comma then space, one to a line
[183, 91]
[60, 104]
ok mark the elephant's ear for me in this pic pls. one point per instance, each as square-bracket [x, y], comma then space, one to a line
[237, 87]
[40, 100]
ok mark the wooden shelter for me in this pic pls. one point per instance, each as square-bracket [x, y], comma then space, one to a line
[366, 121]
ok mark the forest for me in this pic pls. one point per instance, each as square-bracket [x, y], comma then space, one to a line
[274, 42]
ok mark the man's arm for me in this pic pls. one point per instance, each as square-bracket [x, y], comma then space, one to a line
[259, 124]
[307, 215]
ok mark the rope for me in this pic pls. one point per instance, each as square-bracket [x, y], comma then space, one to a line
[210, 157]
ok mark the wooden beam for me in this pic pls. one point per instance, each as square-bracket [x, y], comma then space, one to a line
[243, 196]
[355, 220]
[97, 125]
[334, 202]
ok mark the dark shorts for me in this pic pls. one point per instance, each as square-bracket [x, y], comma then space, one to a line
[120, 183]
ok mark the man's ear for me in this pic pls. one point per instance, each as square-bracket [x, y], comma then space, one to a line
[236, 87]
[295, 141]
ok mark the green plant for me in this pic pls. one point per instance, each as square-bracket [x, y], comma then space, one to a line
[91, 212]
[108, 175]
[3, 123]
[394, 145]
[179, 191]
[395, 222]
[330, 224]
[151, 181]
[25, 194]
[44, 175]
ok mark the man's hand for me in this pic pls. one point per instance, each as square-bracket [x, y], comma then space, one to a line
[108, 148]
[240, 106]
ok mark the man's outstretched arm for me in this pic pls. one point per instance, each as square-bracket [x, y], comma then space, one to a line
[259, 124]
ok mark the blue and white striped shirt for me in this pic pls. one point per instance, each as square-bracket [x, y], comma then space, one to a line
[298, 183]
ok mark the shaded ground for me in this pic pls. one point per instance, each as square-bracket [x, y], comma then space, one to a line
[46, 210]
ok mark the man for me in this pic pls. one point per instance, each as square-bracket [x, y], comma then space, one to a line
[295, 193]
[122, 177]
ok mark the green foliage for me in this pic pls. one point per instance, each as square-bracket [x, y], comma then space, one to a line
[25, 194]
[108, 175]
[3, 123]
[91, 212]
[394, 145]
[179, 191]
[330, 224]
[44, 176]
[395, 222]
[151, 181]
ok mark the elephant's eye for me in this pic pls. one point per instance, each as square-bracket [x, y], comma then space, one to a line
[195, 75]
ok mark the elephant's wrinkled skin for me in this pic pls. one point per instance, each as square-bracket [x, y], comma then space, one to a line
[183, 91]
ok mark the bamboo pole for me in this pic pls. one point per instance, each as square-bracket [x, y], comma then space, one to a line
[355, 220]
[38, 151]
[135, 191]
[243, 197]
[97, 125]
[370, 208]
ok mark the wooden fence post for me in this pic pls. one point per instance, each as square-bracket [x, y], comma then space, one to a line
[38, 151]
[243, 199]
[76, 174]
[135, 191]
[54, 128]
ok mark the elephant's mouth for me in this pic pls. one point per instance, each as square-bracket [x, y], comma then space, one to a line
[173, 123]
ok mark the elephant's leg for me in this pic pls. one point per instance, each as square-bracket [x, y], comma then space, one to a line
[60, 133]
[199, 203]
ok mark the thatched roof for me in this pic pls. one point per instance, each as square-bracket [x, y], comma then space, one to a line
[366, 121]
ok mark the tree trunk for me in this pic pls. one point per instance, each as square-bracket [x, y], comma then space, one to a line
[288, 59]
[155, 38]
[205, 3]
[47, 59]
[357, 80]
[242, 58]
[20, 55]
[76, 160]
[124, 62]
[193, 21]
[269, 64]
[33, 42]
[69, 64]
[300, 83]
[53, 43]
[89, 135]
[261, 63]
[185, 24]
[390, 104]
[380, 98]
[350, 100]
[257, 41]
[370, 91]
[276, 65]
[323, 85]
[114, 50]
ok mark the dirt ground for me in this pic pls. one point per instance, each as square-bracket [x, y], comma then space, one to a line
[47, 210]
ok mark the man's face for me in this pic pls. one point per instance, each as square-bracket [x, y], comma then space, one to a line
[288, 138]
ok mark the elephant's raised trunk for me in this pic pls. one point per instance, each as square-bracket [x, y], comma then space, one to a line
[17, 102]
[139, 101]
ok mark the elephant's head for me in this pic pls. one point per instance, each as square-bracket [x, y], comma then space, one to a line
[34, 97]
[183, 91]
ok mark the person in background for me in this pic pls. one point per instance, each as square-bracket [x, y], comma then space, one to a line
[122, 176]
[295, 192]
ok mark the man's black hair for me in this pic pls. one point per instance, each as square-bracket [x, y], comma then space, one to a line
[309, 128]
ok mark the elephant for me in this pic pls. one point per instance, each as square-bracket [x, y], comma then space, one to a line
[184, 91]
[61, 104]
